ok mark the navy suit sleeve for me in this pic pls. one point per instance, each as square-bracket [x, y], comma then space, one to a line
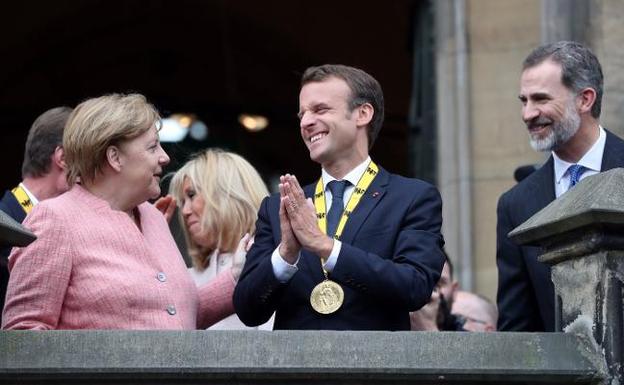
[517, 305]
[406, 278]
[257, 290]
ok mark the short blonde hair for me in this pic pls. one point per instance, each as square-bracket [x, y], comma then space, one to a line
[232, 191]
[98, 123]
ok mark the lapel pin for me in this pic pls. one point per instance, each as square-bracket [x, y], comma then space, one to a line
[375, 194]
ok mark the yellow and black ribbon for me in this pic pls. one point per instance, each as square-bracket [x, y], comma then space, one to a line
[23, 199]
[321, 207]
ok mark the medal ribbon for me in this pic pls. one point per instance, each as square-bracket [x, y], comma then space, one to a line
[319, 298]
[23, 199]
[321, 208]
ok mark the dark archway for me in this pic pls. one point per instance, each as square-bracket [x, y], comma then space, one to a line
[212, 58]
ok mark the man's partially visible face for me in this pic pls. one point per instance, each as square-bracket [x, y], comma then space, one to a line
[474, 311]
[548, 107]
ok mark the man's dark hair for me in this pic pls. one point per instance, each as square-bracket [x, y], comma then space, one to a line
[579, 67]
[364, 89]
[45, 135]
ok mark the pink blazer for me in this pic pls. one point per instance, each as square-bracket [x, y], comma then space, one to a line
[91, 267]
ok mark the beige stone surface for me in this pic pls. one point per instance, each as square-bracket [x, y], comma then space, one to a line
[503, 25]
[501, 33]
[607, 41]
[499, 144]
[499, 137]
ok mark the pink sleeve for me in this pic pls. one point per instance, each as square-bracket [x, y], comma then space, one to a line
[215, 300]
[40, 274]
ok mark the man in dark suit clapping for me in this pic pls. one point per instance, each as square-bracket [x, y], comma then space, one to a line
[360, 248]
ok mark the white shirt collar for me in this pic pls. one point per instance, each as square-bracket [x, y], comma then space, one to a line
[352, 176]
[592, 159]
[33, 198]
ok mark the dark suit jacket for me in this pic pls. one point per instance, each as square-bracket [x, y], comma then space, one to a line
[389, 262]
[11, 206]
[525, 290]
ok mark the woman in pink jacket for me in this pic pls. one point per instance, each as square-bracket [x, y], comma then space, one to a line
[104, 257]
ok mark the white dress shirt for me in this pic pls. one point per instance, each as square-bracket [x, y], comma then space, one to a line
[592, 161]
[219, 263]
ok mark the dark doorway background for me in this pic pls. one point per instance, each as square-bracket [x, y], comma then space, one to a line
[215, 59]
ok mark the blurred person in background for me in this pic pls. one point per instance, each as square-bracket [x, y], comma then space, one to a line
[43, 176]
[104, 257]
[219, 194]
[475, 312]
[436, 314]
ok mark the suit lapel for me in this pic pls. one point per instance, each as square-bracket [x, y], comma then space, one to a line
[544, 185]
[544, 181]
[373, 195]
[16, 210]
[613, 155]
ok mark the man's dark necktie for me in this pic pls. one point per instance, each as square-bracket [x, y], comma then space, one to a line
[575, 171]
[337, 188]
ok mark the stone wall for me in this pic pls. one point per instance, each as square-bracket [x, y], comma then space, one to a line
[293, 357]
[499, 35]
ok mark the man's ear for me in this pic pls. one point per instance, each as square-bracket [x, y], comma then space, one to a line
[585, 100]
[365, 114]
[454, 288]
[113, 157]
[58, 158]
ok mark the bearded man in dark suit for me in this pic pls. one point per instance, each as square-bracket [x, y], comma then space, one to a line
[561, 93]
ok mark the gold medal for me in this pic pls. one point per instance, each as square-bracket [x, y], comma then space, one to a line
[327, 297]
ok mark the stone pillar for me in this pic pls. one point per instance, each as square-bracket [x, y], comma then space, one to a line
[453, 125]
[582, 234]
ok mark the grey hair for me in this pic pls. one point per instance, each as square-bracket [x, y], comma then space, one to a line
[579, 67]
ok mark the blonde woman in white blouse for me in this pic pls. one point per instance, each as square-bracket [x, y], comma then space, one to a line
[218, 195]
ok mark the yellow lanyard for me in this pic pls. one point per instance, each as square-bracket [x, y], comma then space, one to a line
[23, 199]
[358, 192]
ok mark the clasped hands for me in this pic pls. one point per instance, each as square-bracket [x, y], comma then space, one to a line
[298, 223]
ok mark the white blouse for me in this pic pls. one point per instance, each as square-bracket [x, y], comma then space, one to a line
[219, 263]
